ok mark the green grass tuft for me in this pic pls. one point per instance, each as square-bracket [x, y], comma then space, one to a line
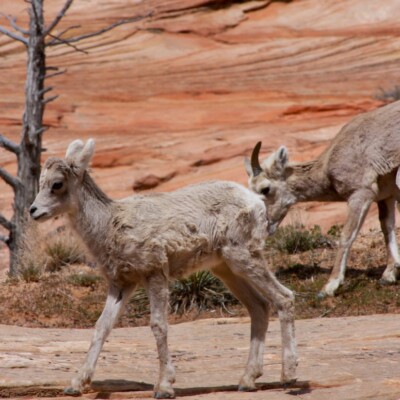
[201, 291]
[292, 239]
[84, 279]
[30, 271]
[63, 250]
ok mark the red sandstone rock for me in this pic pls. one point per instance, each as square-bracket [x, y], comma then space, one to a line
[151, 181]
[189, 91]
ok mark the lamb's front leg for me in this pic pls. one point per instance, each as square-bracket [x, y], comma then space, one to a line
[157, 291]
[116, 299]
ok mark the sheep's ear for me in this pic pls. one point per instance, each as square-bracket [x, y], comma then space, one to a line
[247, 165]
[78, 155]
[282, 157]
[74, 149]
[83, 160]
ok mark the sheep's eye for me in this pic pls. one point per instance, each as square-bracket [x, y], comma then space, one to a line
[265, 191]
[57, 186]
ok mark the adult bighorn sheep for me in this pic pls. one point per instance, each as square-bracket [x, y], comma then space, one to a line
[360, 166]
[148, 240]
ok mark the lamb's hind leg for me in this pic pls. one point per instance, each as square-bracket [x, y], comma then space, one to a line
[251, 267]
[387, 210]
[258, 308]
[116, 299]
[157, 290]
[358, 206]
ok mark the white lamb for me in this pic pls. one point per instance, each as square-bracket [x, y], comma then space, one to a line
[148, 240]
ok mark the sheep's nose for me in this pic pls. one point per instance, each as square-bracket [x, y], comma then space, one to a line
[32, 209]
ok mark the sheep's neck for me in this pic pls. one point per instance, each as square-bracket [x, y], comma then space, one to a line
[92, 215]
[308, 182]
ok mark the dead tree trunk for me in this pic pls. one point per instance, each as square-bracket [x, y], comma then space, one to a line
[32, 128]
[28, 151]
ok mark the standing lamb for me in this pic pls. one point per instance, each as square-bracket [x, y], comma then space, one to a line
[148, 240]
[360, 166]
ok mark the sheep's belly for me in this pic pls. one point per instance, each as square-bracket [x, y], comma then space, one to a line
[206, 262]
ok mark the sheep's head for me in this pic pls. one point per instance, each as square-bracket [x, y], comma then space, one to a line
[59, 181]
[269, 180]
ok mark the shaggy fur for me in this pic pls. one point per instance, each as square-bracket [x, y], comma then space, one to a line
[148, 240]
[360, 166]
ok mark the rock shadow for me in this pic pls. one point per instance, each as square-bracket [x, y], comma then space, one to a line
[107, 387]
[303, 272]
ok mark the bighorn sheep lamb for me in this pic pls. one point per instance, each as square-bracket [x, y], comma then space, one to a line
[148, 240]
[360, 166]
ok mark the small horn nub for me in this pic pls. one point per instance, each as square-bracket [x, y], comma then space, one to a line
[255, 163]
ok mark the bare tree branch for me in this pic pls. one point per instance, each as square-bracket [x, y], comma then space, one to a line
[55, 74]
[43, 128]
[51, 68]
[59, 16]
[48, 100]
[57, 40]
[5, 222]
[100, 31]
[13, 35]
[35, 15]
[9, 144]
[13, 23]
[13, 181]
[66, 30]
[45, 90]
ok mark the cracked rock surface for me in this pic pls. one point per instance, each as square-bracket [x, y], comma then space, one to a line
[339, 358]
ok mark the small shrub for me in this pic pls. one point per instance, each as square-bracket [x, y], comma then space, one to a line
[293, 239]
[31, 260]
[30, 271]
[40, 253]
[61, 250]
[335, 230]
[138, 305]
[83, 279]
[201, 291]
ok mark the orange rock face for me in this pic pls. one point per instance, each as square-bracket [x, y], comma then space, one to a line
[182, 96]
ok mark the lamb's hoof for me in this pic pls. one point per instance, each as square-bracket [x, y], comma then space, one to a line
[69, 391]
[163, 395]
[243, 388]
[321, 296]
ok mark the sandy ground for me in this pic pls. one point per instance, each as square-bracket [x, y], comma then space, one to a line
[339, 358]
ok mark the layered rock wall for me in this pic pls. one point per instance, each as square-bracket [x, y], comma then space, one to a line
[182, 96]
